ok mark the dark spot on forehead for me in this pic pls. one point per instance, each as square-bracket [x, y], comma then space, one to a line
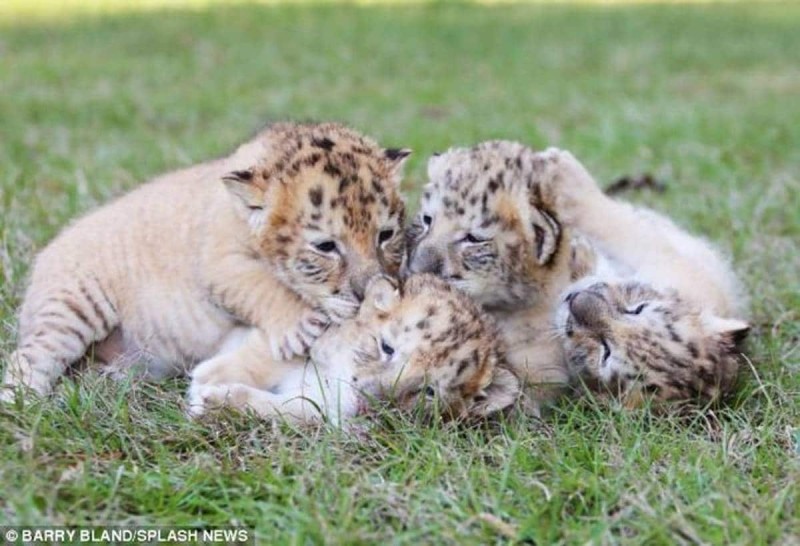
[423, 324]
[332, 170]
[325, 143]
[315, 194]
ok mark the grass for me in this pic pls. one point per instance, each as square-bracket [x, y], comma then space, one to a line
[704, 97]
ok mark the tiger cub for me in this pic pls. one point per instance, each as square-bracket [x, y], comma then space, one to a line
[655, 312]
[488, 225]
[428, 347]
[282, 235]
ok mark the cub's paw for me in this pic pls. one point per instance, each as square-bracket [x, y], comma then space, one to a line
[298, 338]
[341, 309]
[567, 182]
[20, 375]
[570, 173]
[203, 399]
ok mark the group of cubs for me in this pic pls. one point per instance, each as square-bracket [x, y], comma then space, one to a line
[283, 279]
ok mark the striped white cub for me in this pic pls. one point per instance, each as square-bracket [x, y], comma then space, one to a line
[658, 313]
[428, 347]
[282, 235]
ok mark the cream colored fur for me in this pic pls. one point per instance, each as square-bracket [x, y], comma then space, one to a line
[162, 275]
[427, 348]
[659, 310]
[635, 242]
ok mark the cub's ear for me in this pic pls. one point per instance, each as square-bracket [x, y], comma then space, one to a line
[437, 165]
[247, 187]
[396, 158]
[730, 333]
[499, 394]
[382, 293]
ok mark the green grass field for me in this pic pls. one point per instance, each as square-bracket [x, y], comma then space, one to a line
[705, 97]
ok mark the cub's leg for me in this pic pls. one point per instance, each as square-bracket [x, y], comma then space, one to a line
[293, 405]
[623, 230]
[250, 292]
[243, 376]
[55, 330]
[244, 357]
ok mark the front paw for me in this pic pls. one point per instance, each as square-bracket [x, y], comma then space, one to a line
[203, 399]
[341, 309]
[297, 339]
[568, 180]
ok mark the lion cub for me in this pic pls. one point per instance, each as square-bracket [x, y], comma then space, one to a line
[282, 235]
[488, 225]
[657, 312]
[427, 347]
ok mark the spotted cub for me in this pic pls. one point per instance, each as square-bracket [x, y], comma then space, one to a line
[488, 225]
[282, 235]
[428, 347]
[657, 312]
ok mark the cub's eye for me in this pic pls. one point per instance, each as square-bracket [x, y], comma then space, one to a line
[430, 392]
[606, 349]
[470, 238]
[636, 310]
[325, 246]
[387, 349]
[426, 219]
[385, 235]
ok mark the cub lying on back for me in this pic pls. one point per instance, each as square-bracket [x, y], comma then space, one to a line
[489, 226]
[657, 312]
[429, 347]
[306, 215]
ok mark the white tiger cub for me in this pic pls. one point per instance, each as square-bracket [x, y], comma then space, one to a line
[658, 313]
[306, 215]
[427, 347]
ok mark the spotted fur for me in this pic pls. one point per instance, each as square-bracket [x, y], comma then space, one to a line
[429, 347]
[282, 235]
[488, 225]
[654, 310]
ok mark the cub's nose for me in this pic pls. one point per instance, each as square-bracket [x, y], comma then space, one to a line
[358, 285]
[426, 260]
[588, 309]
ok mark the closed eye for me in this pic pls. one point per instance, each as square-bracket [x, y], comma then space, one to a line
[474, 239]
[606, 349]
[636, 310]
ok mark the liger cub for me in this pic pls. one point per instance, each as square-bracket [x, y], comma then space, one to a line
[488, 225]
[281, 236]
[427, 347]
[655, 312]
